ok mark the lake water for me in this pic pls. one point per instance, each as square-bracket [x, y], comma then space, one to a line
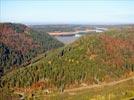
[71, 38]
[66, 39]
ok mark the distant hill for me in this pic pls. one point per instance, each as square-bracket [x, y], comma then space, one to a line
[73, 27]
[19, 44]
[92, 59]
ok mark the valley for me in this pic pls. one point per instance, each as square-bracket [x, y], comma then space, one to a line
[89, 66]
[66, 50]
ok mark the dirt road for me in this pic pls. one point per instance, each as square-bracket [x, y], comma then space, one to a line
[99, 85]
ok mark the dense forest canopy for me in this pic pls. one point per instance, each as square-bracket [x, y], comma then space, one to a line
[92, 59]
[19, 44]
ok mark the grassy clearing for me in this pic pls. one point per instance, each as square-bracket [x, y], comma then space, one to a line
[120, 91]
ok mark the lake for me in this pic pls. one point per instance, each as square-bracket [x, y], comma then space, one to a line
[66, 39]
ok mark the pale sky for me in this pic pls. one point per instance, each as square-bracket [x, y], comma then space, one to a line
[67, 11]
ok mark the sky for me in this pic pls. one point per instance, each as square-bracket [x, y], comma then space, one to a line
[67, 11]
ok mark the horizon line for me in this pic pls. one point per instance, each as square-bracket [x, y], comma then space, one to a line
[64, 23]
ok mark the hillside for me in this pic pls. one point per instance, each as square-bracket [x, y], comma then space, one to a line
[19, 44]
[122, 90]
[92, 59]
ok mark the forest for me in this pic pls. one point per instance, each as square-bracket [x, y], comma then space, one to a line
[92, 59]
[19, 44]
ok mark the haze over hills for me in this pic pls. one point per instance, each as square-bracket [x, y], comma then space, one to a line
[19, 44]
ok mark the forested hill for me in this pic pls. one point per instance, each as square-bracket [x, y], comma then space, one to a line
[92, 59]
[19, 44]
